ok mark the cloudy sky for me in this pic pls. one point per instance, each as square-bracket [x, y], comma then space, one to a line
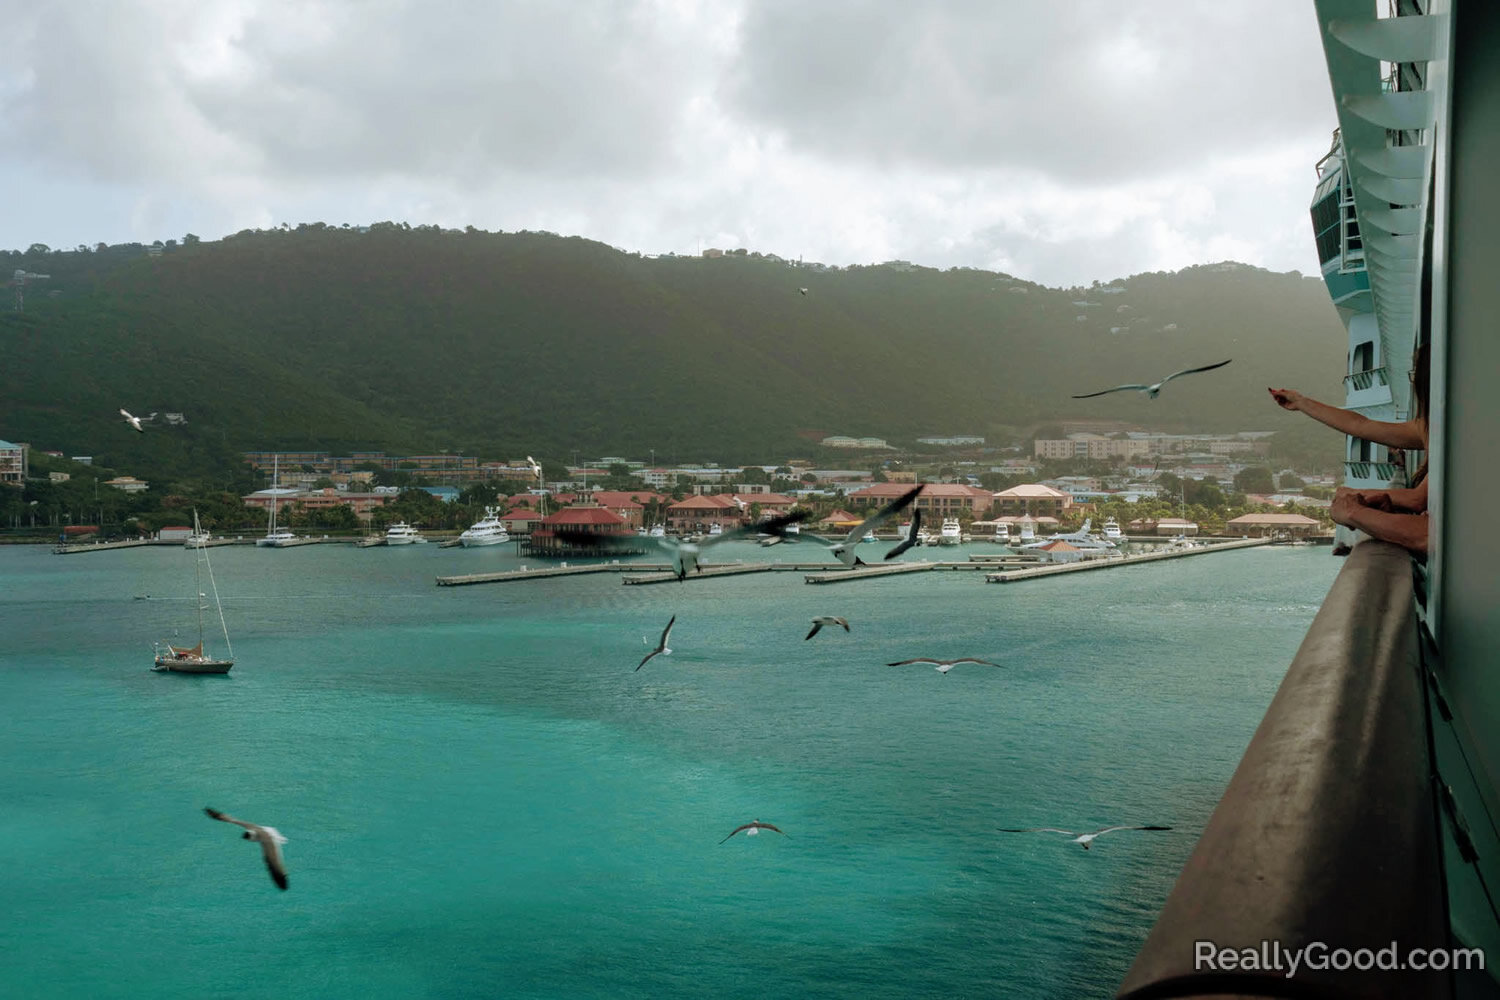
[1061, 142]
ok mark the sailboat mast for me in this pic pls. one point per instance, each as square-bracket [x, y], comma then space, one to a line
[198, 582]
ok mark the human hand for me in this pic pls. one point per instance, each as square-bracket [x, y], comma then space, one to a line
[1287, 399]
[1345, 503]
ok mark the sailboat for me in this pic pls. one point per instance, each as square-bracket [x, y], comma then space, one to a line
[275, 537]
[196, 659]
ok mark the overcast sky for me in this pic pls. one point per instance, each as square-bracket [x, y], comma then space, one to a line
[1061, 142]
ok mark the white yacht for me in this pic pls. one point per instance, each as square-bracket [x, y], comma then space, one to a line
[486, 531]
[716, 529]
[1112, 530]
[950, 533]
[197, 540]
[402, 533]
[658, 531]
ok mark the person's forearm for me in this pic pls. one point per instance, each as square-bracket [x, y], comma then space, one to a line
[1402, 435]
[1406, 530]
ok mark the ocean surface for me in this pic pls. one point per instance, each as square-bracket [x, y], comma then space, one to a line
[484, 798]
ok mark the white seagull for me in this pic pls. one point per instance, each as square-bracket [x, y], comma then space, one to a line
[1152, 390]
[269, 838]
[1081, 839]
[911, 536]
[822, 620]
[661, 646]
[132, 421]
[753, 828]
[802, 290]
[942, 666]
[536, 470]
[684, 554]
[847, 550]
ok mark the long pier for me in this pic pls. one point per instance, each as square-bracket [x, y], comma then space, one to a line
[1030, 573]
[526, 573]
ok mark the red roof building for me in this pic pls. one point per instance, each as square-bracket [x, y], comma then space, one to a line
[938, 500]
[562, 533]
[700, 512]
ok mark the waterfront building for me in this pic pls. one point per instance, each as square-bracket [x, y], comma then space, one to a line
[12, 463]
[550, 537]
[1033, 499]
[1263, 525]
[699, 513]
[938, 500]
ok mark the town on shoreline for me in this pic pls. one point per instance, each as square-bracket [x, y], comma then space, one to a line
[1148, 482]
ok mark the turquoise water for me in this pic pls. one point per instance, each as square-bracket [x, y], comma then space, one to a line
[484, 798]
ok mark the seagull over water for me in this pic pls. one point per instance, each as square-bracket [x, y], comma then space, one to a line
[1152, 390]
[911, 536]
[942, 666]
[685, 555]
[661, 645]
[132, 421]
[847, 550]
[822, 620]
[1082, 839]
[269, 838]
[753, 828]
[802, 290]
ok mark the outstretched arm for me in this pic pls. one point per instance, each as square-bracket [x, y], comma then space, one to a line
[1406, 434]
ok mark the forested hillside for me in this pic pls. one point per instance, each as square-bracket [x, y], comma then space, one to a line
[418, 340]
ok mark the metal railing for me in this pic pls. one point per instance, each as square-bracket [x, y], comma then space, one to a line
[1327, 834]
[1366, 379]
[1382, 471]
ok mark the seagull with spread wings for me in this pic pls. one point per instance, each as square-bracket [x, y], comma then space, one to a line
[846, 550]
[821, 620]
[661, 645]
[1081, 839]
[1155, 388]
[685, 554]
[269, 838]
[942, 666]
[753, 828]
[133, 421]
[911, 538]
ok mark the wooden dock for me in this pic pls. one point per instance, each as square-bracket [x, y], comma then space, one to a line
[1030, 573]
[527, 573]
[722, 569]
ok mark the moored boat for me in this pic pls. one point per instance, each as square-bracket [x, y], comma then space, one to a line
[196, 659]
[402, 533]
[486, 531]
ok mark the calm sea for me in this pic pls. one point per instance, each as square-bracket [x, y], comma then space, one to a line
[484, 799]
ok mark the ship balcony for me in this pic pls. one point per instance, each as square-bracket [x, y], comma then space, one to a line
[1376, 475]
[1367, 388]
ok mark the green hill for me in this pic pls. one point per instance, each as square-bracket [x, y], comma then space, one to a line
[418, 340]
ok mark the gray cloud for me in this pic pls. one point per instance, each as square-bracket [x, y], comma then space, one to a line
[1060, 142]
[1085, 90]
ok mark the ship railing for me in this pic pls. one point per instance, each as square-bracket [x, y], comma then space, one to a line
[1367, 379]
[1381, 471]
[1327, 836]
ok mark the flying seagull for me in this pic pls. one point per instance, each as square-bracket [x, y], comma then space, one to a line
[1152, 390]
[1081, 839]
[132, 421]
[685, 555]
[911, 536]
[822, 620]
[942, 666]
[846, 550]
[802, 290]
[269, 838]
[752, 829]
[661, 646]
[536, 470]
